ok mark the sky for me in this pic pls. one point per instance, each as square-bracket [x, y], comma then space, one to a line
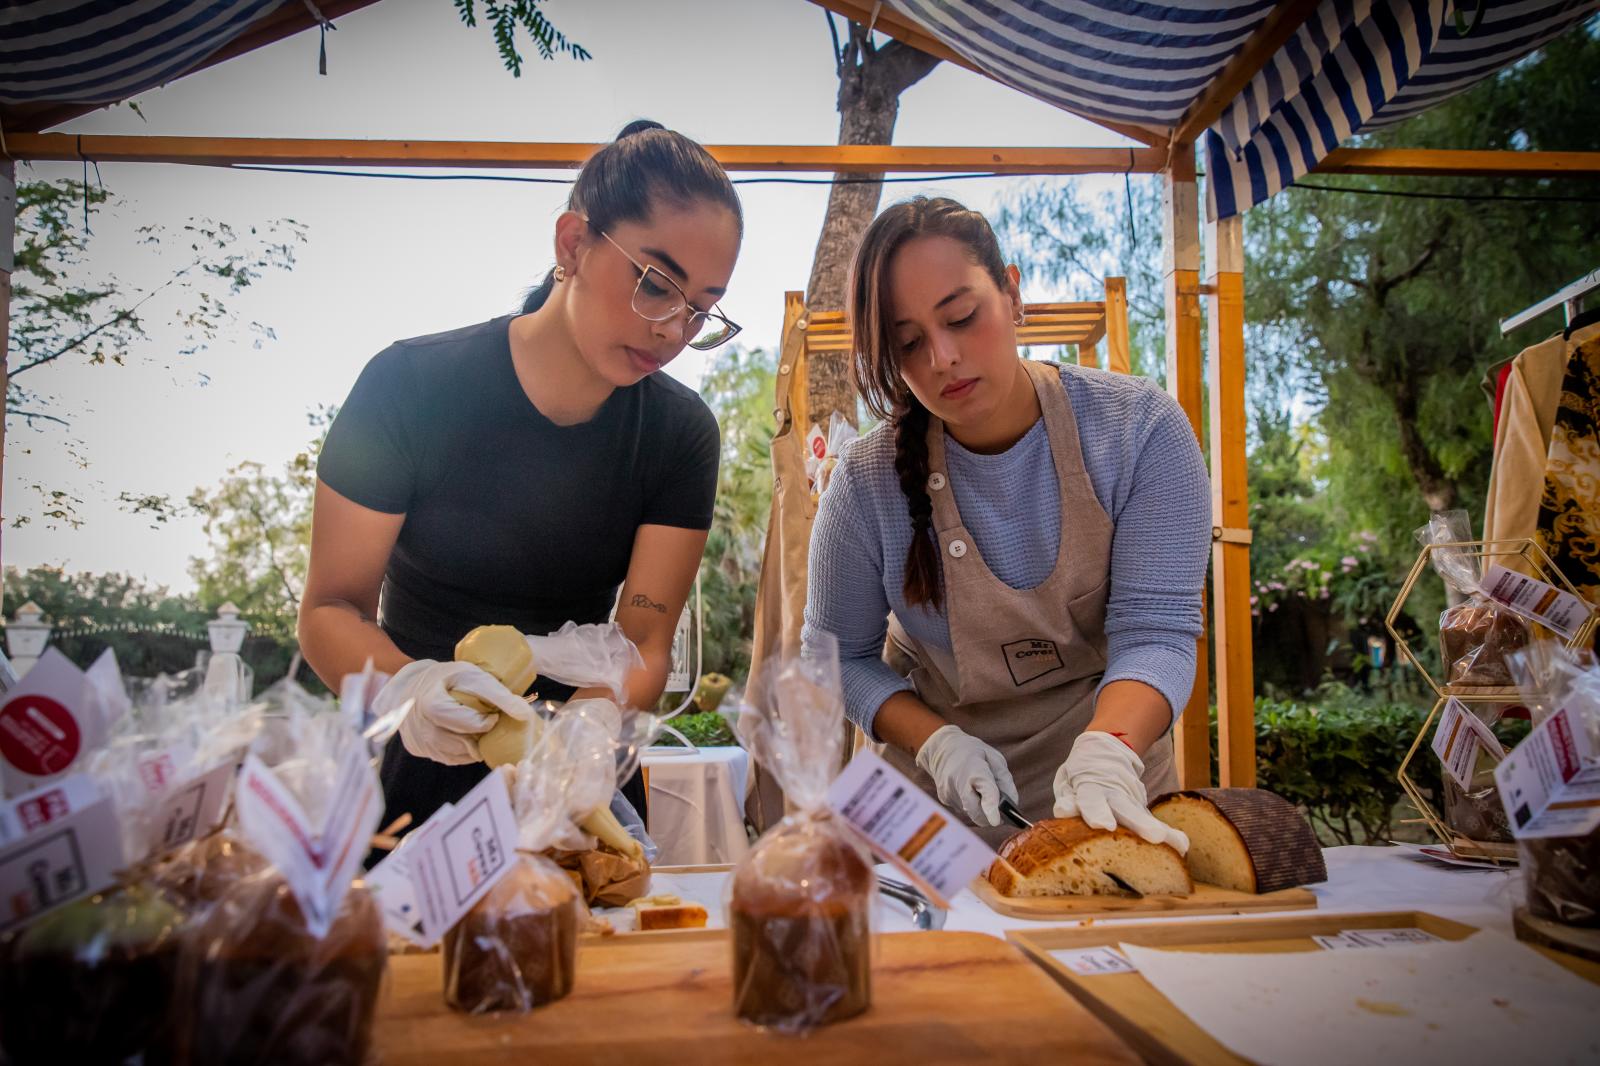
[389, 259]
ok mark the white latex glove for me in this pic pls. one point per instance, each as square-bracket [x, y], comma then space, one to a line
[969, 773]
[439, 726]
[1100, 783]
[587, 655]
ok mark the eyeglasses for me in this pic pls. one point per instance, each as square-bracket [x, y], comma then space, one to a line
[657, 298]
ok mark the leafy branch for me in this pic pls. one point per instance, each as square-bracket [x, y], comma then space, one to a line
[504, 21]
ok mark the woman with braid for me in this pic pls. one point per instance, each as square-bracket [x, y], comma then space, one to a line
[1012, 562]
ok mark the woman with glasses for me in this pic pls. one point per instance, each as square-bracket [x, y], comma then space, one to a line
[522, 470]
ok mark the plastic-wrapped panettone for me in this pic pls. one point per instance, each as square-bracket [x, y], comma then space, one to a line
[1476, 635]
[516, 949]
[91, 981]
[802, 939]
[263, 989]
[800, 906]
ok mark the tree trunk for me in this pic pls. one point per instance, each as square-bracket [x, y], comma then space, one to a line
[871, 80]
[1439, 490]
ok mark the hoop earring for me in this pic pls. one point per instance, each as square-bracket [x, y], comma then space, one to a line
[559, 273]
[1020, 320]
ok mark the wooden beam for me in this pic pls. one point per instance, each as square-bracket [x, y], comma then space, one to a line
[1258, 49]
[1180, 249]
[890, 22]
[1230, 507]
[1117, 354]
[835, 158]
[285, 21]
[1459, 163]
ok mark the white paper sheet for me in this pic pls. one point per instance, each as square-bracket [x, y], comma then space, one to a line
[1486, 999]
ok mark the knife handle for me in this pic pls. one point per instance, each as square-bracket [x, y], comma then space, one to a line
[1009, 812]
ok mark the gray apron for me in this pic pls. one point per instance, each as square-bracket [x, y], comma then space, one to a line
[1024, 665]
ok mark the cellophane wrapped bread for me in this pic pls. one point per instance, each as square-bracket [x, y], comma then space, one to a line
[94, 980]
[800, 906]
[1561, 875]
[282, 968]
[1477, 634]
[516, 949]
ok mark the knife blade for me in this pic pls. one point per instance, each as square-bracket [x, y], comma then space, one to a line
[1009, 812]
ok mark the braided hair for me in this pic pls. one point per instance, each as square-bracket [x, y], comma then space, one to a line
[875, 360]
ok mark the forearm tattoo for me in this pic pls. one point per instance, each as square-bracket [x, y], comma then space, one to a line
[646, 602]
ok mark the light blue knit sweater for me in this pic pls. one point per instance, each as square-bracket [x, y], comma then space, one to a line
[1148, 474]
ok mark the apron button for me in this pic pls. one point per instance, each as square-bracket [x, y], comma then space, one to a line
[936, 481]
[958, 548]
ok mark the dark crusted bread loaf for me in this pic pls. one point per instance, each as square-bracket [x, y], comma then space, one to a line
[1247, 839]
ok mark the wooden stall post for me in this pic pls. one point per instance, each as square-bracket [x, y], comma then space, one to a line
[1230, 506]
[8, 258]
[1180, 245]
[1117, 358]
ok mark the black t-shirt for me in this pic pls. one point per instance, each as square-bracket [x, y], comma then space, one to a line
[510, 518]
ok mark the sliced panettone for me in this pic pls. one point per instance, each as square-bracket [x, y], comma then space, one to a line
[1247, 839]
[1065, 857]
[668, 912]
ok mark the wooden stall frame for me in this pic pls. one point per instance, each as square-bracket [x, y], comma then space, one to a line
[1166, 152]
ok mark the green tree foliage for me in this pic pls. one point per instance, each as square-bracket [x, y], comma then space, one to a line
[259, 527]
[739, 386]
[150, 629]
[507, 16]
[1070, 241]
[1384, 309]
[64, 307]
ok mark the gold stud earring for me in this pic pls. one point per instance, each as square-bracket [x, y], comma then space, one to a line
[560, 272]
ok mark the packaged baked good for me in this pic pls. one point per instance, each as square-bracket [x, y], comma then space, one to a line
[1559, 846]
[285, 967]
[1476, 634]
[92, 982]
[516, 949]
[266, 988]
[800, 906]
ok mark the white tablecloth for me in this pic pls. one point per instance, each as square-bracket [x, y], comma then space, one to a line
[1359, 879]
[697, 805]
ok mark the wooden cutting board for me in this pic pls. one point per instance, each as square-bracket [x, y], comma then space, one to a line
[1206, 899]
[667, 998]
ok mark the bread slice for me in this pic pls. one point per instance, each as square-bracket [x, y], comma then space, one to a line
[686, 916]
[665, 911]
[1246, 839]
[1065, 857]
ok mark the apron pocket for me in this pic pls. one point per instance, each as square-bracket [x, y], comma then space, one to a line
[1089, 619]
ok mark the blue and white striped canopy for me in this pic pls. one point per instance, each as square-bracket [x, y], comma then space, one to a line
[101, 51]
[1355, 65]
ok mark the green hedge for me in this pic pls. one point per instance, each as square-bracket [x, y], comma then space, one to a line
[1336, 756]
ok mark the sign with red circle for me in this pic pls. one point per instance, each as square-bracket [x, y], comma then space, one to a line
[39, 736]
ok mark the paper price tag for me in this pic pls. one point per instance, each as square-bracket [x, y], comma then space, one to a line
[1537, 601]
[1376, 938]
[34, 810]
[390, 882]
[318, 862]
[1461, 740]
[193, 808]
[67, 857]
[465, 851]
[907, 827]
[1089, 962]
[1548, 784]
